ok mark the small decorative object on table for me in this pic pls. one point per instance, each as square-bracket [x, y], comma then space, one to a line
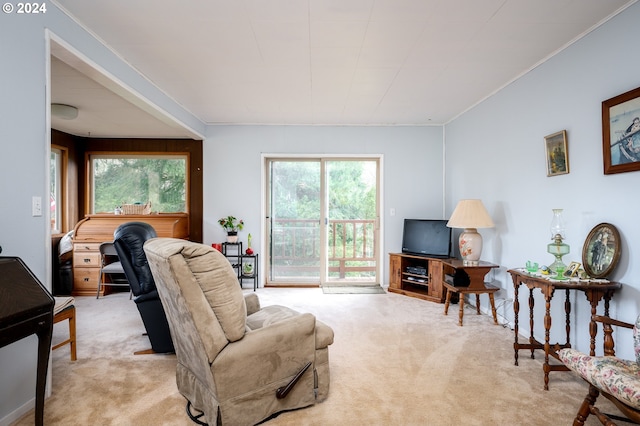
[136, 208]
[557, 248]
[247, 269]
[249, 250]
[232, 226]
[572, 270]
[601, 250]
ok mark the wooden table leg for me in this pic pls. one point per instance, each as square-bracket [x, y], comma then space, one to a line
[461, 314]
[547, 346]
[447, 300]
[516, 310]
[593, 327]
[531, 306]
[567, 310]
[492, 302]
[478, 303]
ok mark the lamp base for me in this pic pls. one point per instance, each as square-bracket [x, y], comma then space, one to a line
[558, 264]
[470, 245]
[558, 249]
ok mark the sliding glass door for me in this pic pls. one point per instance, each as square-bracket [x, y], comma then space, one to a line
[322, 221]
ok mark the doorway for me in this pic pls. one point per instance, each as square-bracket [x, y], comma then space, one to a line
[322, 224]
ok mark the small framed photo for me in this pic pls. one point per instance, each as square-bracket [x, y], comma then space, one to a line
[557, 153]
[601, 250]
[621, 133]
[572, 270]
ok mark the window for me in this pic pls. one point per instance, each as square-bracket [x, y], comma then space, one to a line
[55, 190]
[138, 179]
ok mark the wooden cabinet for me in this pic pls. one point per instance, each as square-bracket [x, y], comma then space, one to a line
[417, 276]
[93, 230]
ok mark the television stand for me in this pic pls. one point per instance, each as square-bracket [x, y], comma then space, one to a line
[418, 276]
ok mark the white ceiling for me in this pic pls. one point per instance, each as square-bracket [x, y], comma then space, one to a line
[316, 62]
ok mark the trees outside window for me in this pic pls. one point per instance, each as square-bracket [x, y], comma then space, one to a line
[138, 179]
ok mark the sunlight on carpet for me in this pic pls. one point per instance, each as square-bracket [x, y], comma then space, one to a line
[353, 290]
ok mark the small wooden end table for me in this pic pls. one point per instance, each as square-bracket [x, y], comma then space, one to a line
[477, 286]
[594, 291]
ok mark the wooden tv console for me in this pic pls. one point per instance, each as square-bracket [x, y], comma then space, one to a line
[427, 286]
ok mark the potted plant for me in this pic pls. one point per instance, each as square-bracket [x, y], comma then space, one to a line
[231, 225]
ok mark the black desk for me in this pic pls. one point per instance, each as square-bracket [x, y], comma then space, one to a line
[26, 308]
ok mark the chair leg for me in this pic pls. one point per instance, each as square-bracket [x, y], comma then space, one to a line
[585, 408]
[70, 314]
[72, 334]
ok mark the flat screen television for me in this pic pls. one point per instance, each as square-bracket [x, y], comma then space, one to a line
[426, 237]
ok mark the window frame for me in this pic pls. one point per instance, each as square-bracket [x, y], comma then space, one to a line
[90, 155]
[61, 181]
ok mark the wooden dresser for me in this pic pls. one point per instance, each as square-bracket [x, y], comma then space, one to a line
[93, 230]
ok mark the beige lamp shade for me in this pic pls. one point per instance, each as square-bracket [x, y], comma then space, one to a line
[470, 215]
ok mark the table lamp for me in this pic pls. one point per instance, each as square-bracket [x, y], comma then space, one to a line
[557, 248]
[470, 215]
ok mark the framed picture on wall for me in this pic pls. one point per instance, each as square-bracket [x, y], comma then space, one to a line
[557, 153]
[621, 133]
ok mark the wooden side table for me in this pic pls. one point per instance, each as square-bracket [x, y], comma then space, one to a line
[476, 286]
[592, 290]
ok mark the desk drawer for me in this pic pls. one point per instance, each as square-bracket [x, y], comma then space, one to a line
[86, 246]
[85, 281]
[86, 259]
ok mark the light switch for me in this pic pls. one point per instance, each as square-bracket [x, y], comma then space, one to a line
[36, 206]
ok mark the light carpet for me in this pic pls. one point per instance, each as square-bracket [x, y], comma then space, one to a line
[353, 290]
[396, 360]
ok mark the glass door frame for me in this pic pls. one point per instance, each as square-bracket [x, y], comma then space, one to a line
[322, 158]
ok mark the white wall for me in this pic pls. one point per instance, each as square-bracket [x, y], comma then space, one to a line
[496, 152]
[412, 171]
[24, 136]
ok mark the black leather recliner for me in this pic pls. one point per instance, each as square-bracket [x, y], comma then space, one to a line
[129, 239]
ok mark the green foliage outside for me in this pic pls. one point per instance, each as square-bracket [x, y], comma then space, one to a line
[118, 181]
[352, 190]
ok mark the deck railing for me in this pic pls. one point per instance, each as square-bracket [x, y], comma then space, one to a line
[296, 248]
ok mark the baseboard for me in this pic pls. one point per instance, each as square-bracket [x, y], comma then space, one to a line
[16, 414]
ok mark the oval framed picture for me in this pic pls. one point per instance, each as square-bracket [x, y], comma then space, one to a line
[601, 250]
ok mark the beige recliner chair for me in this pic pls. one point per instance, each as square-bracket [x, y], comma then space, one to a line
[238, 363]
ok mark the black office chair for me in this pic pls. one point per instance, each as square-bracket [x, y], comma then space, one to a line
[128, 240]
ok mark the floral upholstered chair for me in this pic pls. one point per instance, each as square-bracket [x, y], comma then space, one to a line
[616, 379]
